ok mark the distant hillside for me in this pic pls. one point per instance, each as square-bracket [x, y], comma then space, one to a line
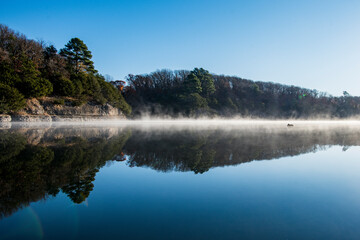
[197, 92]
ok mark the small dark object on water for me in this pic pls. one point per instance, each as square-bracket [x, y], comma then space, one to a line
[290, 125]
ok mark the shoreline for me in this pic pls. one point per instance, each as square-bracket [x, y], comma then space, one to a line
[166, 122]
[5, 118]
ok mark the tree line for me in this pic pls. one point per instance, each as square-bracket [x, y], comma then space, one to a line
[197, 93]
[32, 69]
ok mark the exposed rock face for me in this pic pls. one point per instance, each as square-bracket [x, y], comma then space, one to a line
[47, 111]
[84, 110]
[33, 107]
[31, 118]
[64, 118]
[5, 118]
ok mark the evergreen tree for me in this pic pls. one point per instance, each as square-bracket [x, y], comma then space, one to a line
[192, 84]
[8, 76]
[206, 80]
[10, 99]
[78, 56]
[50, 52]
[31, 84]
[63, 87]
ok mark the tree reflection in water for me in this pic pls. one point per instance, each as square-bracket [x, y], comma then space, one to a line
[36, 163]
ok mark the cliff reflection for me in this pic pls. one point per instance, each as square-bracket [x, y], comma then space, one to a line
[33, 168]
[36, 163]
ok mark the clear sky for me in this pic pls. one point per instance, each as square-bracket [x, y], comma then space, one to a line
[309, 43]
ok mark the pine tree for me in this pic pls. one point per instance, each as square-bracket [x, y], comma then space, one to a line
[207, 81]
[192, 84]
[78, 56]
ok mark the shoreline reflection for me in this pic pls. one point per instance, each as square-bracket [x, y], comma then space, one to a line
[39, 162]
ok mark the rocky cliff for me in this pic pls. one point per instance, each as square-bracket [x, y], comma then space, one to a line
[50, 109]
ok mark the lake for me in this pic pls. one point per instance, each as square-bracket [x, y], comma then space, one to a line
[180, 180]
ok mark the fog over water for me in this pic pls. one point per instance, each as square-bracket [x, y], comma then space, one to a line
[233, 178]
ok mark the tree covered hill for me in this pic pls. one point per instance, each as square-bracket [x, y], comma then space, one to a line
[197, 92]
[31, 69]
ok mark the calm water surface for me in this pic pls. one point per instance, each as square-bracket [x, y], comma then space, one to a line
[166, 181]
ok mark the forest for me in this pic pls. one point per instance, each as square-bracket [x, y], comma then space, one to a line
[199, 93]
[33, 69]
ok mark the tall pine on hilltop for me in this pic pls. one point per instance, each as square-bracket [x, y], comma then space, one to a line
[78, 56]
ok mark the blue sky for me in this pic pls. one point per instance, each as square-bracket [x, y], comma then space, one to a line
[313, 44]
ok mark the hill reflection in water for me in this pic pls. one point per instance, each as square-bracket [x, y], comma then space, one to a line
[38, 162]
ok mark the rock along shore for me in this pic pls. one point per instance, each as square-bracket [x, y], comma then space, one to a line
[46, 111]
